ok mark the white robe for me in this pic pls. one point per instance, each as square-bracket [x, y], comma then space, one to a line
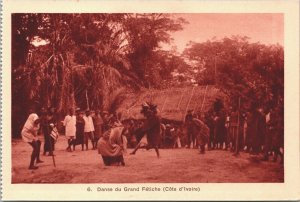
[70, 124]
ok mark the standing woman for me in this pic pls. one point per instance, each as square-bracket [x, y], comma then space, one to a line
[29, 135]
[70, 124]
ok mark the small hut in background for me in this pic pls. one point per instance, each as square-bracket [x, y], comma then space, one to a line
[172, 103]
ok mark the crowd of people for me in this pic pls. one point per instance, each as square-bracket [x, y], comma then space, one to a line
[256, 131]
[80, 127]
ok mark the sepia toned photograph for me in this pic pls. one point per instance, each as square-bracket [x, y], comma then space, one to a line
[147, 98]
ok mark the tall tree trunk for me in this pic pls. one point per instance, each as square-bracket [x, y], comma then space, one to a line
[87, 99]
[105, 91]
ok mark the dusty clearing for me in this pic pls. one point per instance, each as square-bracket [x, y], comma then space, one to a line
[174, 166]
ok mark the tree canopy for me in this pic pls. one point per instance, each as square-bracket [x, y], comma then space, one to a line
[86, 60]
[90, 60]
[252, 71]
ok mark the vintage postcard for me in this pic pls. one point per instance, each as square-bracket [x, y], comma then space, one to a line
[150, 100]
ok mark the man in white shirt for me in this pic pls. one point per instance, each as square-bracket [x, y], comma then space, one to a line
[88, 129]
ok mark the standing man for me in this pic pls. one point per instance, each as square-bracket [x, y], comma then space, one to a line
[277, 138]
[269, 132]
[190, 138]
[98, 123]
[70, 124]
[47, 119]
[44, 125]
[233, 128]
[209, 121]
[79, 130]
[256, 128]
[105, 117]
[29, 135]
[220, 119]
[88, 129]
[227, 126]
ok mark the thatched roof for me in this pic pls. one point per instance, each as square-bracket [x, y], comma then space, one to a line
[172, 103]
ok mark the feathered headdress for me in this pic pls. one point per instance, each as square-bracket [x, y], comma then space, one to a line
[148, 107]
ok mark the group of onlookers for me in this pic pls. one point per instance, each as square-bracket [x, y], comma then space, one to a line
[79, 127]
[87, 125]
[256, 130]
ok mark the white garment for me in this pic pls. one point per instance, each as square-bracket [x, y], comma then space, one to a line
[70, 124]
[88, 124]
[29, 131]
[268, 117]
[177, 142]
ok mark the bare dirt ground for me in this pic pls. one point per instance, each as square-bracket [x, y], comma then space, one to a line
[174, 166]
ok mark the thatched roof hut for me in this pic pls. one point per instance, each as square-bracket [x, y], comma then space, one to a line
[172, 103]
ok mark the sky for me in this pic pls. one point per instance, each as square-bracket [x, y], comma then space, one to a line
[266, 28]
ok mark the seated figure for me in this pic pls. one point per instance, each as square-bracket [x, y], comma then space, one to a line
[112, 146]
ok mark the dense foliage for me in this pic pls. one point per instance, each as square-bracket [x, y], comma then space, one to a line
[89, 60]
[86, 60]
[253, 72]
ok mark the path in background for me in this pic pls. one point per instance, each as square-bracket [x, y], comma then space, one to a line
[175, 166]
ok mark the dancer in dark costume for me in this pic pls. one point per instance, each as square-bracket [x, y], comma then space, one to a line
[151, 128]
